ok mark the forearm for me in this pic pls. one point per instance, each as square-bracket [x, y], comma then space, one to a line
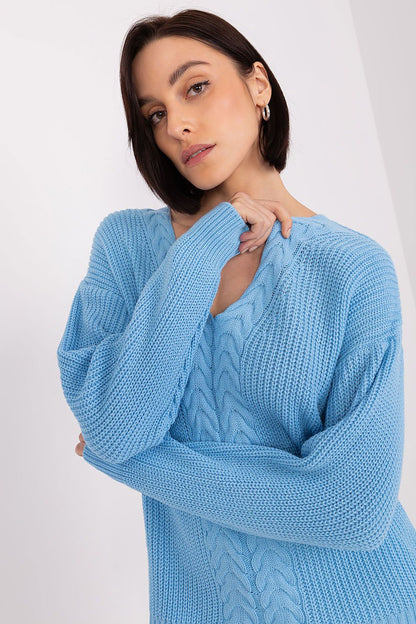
[125, 388]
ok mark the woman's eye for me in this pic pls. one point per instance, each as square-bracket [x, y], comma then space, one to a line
[196, 84]
[199, 84]
[150, 118]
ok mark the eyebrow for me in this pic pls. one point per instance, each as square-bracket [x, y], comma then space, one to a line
[174, 77]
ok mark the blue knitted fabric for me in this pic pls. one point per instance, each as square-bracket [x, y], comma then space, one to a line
[266, 441]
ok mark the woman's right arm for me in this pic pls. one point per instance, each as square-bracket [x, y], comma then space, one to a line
[123, 375]
[341, 489]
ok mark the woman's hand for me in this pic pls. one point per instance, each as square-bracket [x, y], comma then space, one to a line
[79, 449]
[261, 215]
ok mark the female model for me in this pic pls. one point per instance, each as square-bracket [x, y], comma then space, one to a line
[254, 399]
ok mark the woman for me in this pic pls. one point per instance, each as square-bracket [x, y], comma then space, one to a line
[255, 400]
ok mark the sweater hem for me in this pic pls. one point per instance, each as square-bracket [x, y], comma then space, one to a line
[406, 616]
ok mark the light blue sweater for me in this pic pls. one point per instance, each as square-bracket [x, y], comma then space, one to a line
[266, 441]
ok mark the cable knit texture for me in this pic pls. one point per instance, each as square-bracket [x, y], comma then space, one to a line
[266, 441]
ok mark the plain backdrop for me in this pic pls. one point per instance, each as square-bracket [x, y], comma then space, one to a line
[73, 542]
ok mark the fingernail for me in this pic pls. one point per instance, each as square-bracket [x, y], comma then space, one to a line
[253, 248]
[244, 250]
[288, 232]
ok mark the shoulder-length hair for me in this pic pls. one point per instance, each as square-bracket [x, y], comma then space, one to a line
[161, 175]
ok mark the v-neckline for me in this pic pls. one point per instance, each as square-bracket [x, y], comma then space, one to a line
[267, 247]
[230, 309]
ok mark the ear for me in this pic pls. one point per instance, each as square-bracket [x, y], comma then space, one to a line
[259, 85]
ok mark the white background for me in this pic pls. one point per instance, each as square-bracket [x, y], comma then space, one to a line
[74, 547]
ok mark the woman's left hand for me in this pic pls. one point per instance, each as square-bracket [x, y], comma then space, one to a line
[79, 449]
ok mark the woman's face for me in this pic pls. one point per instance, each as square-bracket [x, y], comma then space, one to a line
[225, 110]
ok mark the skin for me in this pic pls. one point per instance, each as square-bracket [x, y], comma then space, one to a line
[213, 113]
[79, 449]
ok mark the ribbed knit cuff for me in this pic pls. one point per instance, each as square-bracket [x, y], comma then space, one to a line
[215, 236]
[115, 471]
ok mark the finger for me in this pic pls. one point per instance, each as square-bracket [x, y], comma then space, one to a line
[260, 228]
[251, 209]
[273, 207]
[79, 449]
[256, 206]
[260, 233]
[258, 214]
[281, 213]
[257, 217]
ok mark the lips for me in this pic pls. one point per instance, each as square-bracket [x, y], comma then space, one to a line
[186, 154]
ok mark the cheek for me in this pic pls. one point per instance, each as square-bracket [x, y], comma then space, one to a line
[163, 143]
[235, 115]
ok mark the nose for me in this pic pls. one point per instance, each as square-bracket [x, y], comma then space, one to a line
[178, 121]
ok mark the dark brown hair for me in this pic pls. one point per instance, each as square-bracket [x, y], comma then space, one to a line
[161, 175]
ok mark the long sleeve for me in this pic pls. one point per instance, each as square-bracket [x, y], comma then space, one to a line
[123, 375]
[341, 492]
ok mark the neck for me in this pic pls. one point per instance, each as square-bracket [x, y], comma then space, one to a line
[268, 185]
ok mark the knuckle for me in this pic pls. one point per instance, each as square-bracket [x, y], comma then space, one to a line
[241, 194]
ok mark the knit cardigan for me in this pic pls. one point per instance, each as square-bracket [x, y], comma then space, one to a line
[266, 441]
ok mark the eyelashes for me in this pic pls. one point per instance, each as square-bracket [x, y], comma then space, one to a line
[149, 119]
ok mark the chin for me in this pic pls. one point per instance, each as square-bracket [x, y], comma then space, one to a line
[209, 181]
